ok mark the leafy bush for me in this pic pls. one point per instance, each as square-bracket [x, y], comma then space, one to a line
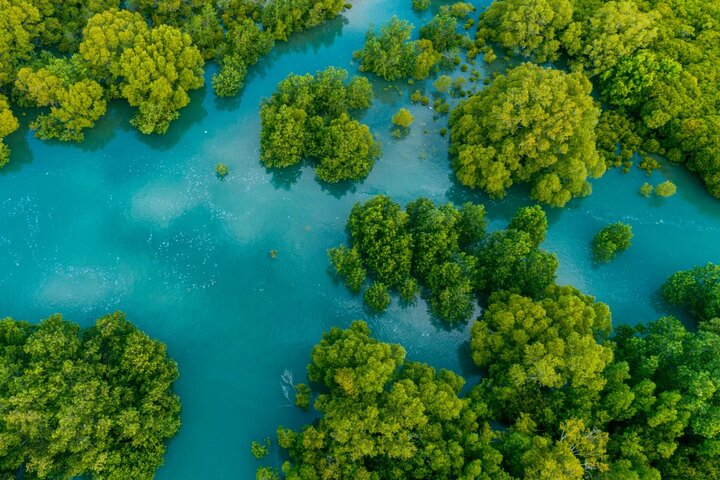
[610, 241]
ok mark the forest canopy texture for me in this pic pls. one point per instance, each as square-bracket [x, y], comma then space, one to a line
[561, 395]
[308, 117]
[654, 64]
[69, 59]
[442, 252]
[532, 125]
[570, 403]
[75, 402]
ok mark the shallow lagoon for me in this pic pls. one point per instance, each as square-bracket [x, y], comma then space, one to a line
[126, 222]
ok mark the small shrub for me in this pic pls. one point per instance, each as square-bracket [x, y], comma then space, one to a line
[221, 170]
[610, 241]
[260, 450]
[489, 55]
[646, 190]
[302, 396]
[267, 473]
[420, 5]
[666, 189]
[403, 118]
[441, 106]
[443, 83]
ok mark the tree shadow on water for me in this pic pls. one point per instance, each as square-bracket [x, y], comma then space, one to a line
[20, 152]
[323, 35]
[339, 189]
[228, 104]
[284, 178]
[467, 366]
[518, 196]
[116, 118]
[191, 114]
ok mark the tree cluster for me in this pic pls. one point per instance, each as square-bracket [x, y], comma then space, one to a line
[560, 397]
[533, 125]
[655, 66]
[443, 251]
[389, 53]
[93, 402]
[71, 58]
[384, 417]
[697, 289]
[308, 117]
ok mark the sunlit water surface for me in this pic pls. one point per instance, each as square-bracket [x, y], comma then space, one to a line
[127, 222]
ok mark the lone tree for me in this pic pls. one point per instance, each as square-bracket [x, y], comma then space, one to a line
[610, 241]
[403, 118]
[534, 125]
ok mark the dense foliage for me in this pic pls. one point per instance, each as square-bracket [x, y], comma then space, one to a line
[611, 240]
[308, 117]
[655, 65]
[8, 124]
[391, 54]
[697, 289]
[71, 58]
[560, 397]
[557, 401]
[75, 402]
[383, 417]
[246, 44]
[529, 29]
[533, 125]
[541, 356]
[444, 250]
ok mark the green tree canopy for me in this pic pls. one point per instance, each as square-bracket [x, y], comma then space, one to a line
[246, 44]
[105, 37]
[76, 402]
[617, 30]
[391, 55]
[403, 118]
[441, 30]
[671, 425]
[444, 250]
[386, 418]
[697, 289]
[377, 230]
[158, 72]
[533, 125]
[531, 220]
[611, 240]
[509, 260]
[542, 356]
[74, 105]
[283, 17]
[531, 29]
[308, 117]
[655, 65]
[8, 124]
[18, 30]
[151, 53]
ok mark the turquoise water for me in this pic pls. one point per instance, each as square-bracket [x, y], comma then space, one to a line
[126, 222]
